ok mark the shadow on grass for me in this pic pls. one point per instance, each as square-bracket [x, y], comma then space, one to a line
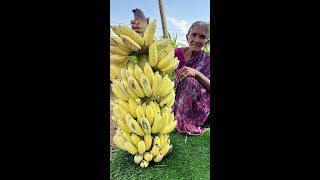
[190, 159]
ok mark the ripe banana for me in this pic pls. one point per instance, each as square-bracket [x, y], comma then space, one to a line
[145, 85]
[147, 156]
[135, 127]
[156, 82]
[127, 136]
[155, 150]
[167, 49]
[124, 127]
[171, 118]
[148, 141]
[141, 147]
[165, 117]
[156, 141]
[149, 33]
[128, 89]
[132, 34]
[117, 50]
[115, 58]
[132, 149]
[140, 113]
[119, 141]
[167, 99]
[122, 64]
[137, 72]
[138, 158]
[130, 43]
[157, 123]
[130, 65]
[117, 41]
[135, 87]
[164, 150]
[144, 163]
[135, 139]
[148, 72]
[172, 66]
[145, 125]
[161, 137]
[133, 107]
[119, 131]
[153, 55]
[158, 158]
[150, 114]
[168, 90]
[169, 127]
[164, 83]
[167, 60]
[162, 43]
[114, 71]
[125, 105]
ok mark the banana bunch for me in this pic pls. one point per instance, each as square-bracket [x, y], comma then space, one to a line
[145, 93]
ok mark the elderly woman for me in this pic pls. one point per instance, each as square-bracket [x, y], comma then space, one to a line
[192, 80]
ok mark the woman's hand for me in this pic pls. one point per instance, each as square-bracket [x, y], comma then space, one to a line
[185, 72]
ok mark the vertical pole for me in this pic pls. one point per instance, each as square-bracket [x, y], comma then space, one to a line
[163, 19]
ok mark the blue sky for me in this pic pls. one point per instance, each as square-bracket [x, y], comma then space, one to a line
[180, 14]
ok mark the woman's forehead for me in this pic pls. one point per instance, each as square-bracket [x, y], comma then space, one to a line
[198, 30]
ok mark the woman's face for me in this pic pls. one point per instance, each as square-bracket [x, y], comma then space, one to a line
[197, 38]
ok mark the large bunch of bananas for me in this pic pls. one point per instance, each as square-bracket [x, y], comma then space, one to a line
[145, 93]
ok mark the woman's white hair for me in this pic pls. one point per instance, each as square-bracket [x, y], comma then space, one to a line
[202, 24]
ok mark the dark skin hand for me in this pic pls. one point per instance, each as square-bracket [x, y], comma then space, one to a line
[191, 72]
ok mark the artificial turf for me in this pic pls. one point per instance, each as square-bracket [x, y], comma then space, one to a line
[190, 159]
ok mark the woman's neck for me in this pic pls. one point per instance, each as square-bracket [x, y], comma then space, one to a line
[188, 53]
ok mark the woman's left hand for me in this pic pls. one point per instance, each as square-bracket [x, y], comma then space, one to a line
[185, 72]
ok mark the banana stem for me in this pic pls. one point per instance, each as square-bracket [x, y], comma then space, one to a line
[142, 59]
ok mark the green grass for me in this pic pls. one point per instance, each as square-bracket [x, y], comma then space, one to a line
[190, 159]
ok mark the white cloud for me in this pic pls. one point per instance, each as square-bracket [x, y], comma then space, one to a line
[180, 24]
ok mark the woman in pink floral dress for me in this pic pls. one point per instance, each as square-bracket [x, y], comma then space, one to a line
[192, 80]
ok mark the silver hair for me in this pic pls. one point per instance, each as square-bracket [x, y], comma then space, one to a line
[202, 24]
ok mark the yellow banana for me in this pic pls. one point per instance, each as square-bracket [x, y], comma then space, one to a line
[118, 51]
[149, 33]
[141, 147]
[119, 84]
[130, 65]
[162, 43]
[157, 123]
[114, 58]
[156, 82]
[135, 139]
[114, 118]
[132, 34]
[145, 85]
[148, 72]
[140, 113]
[125, 105]
[127, 136]
[158, 108]
[117, 41]
[155, 150]
[168, 90]
[122, 112]
[161, 137]
[147, 156]
[164, 150]
[167, 49]
[170, 103]
[114, 71]
[132, 149]
[158, 158]
[156, 141]
[124, 127]
[148, 141]
[119, 141]
[129, 72]
[166, 137]
[153, 55]
[133, 107]
[171, 118]
[165, 117]
[150, 114]
[145, 125]
[137, 72]
[169, 127]
[117, 113]
[128, 89]
[164, 83]
[116, 30]
[118, 131]
[135, 127]
[167, 99]
[144, 163]
[172, 66]
[134, 85]
[138, 158]
[130, 43]
[144, 107]
[167, 60]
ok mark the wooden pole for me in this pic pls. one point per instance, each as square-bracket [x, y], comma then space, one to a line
[163, 19]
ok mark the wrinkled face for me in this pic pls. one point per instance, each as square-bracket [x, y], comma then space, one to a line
[197, 38]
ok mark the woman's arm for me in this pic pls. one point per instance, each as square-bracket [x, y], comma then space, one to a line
[187, 71]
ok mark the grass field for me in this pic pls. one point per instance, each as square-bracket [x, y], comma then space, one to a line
[190, 159]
